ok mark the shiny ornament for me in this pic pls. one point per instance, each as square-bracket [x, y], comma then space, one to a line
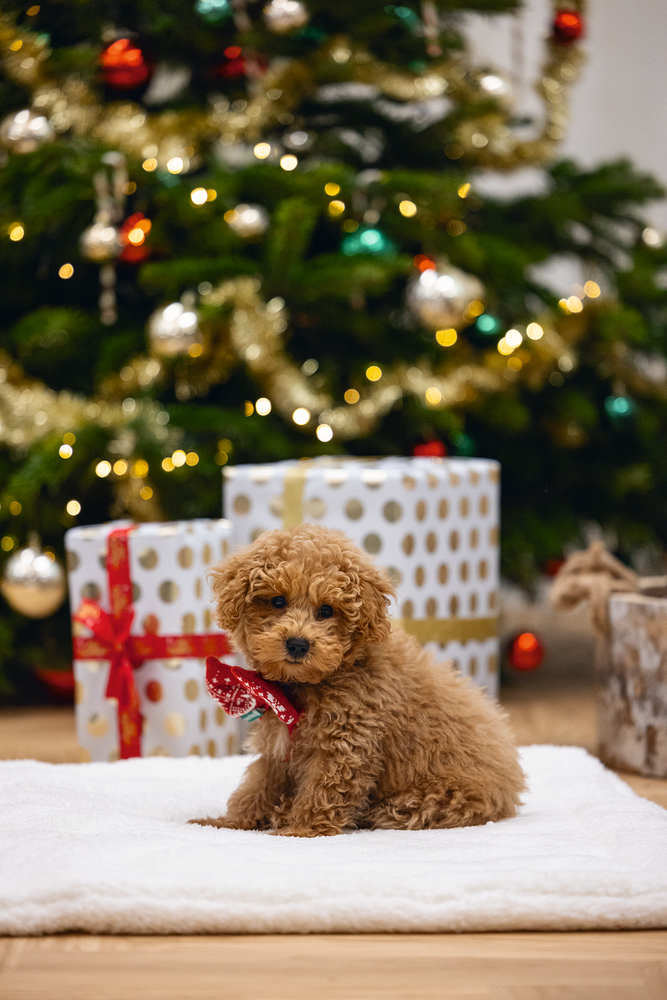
[440, 296]
[25, 131]
[283, 16]
[248, 220]
[214, 11]
[33, 583]
[430, 449]
[567, 27]
[526, 652]
[100, 242]
[132, 238]
[367, 241]
[124, 65]
[234, 65]
[496, 85]
[173, 329]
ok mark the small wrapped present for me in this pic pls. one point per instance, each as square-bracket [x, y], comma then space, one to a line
[629, 614]
[431, 523]
[142, 625]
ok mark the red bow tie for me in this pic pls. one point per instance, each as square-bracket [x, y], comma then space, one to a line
[244, 694]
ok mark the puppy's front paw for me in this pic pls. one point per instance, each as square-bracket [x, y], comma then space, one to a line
[221, 822]
[306, 831]
[229, 823]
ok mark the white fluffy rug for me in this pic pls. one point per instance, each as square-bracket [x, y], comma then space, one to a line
[105, 848]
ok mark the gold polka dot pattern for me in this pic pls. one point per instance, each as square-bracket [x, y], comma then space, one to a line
[392, 511]
[185, 557]
[241, 505]
[372, 543]
[429, 523]
[174, 724]
[148, 558]
[167, 566]
[168, 591]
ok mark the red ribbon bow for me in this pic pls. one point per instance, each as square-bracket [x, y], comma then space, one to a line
[112, 641]
[239, 691]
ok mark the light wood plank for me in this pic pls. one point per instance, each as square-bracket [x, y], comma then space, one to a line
[545, 967]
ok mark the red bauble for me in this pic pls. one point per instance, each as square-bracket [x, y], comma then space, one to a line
[132, 236]
[431, 449]
[59, 682]
[234, 64]
[526, 652]
[124, 65]
[568, 26]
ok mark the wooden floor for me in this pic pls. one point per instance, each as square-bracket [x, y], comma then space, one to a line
[587, 966]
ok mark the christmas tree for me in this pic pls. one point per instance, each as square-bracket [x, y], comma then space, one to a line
[234, 232]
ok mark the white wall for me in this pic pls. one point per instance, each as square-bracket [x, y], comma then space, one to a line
[619, 105]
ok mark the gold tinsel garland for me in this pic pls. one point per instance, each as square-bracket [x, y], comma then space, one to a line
[486, 140]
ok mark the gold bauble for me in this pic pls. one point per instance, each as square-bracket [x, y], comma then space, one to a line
[100, 242]
[173, 329]
[33, 583]
[25, 131]
[440, 296]
[283, 16]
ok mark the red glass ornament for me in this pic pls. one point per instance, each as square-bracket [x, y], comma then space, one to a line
[430, 449]
[59, 682]
[234, 65]
[568, 26]
[124, 65]
[423, 263]
[552, 566]
[134, 249]
[526, 652]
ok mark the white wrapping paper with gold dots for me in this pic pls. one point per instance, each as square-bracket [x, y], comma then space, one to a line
[431, 523]
[168, 564]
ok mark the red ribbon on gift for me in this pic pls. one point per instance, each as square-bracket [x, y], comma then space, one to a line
[112, 641]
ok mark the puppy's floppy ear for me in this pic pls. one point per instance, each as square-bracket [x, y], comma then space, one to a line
[375, 592]
[230, 584]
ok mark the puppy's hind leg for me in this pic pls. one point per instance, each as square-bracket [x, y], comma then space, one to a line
[436, 806]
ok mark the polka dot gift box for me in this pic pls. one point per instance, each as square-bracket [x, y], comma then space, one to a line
[431, 523]
[142, 626]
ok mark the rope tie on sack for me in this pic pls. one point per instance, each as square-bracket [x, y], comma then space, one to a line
[592, 575]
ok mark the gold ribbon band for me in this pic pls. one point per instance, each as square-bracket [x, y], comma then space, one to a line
[294, 482]
[449, 629]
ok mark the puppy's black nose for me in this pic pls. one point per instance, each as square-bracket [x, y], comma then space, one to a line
[297, 647]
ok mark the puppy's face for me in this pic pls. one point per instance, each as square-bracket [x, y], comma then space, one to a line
[300, 603]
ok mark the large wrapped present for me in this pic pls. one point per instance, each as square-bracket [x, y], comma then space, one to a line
[142, 625]
[431, 523]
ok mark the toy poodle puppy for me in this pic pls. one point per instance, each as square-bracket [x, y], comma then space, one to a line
[386, 739]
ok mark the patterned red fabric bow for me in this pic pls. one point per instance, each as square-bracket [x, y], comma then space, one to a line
[112, 641]
[244, 694]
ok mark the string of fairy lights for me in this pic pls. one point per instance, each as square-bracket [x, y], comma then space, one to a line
[443, 298]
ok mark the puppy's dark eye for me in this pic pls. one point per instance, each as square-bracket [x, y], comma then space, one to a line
[325, 611]
[278, 602]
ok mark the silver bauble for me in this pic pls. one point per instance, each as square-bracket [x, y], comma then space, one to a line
[33, 583]
[440, 297]
[173, 329]
[100, 242]
[283, 16]
[248, 220]
[25, 131]
[495, 84]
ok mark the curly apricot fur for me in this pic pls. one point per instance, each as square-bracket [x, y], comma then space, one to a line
[387, 739]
